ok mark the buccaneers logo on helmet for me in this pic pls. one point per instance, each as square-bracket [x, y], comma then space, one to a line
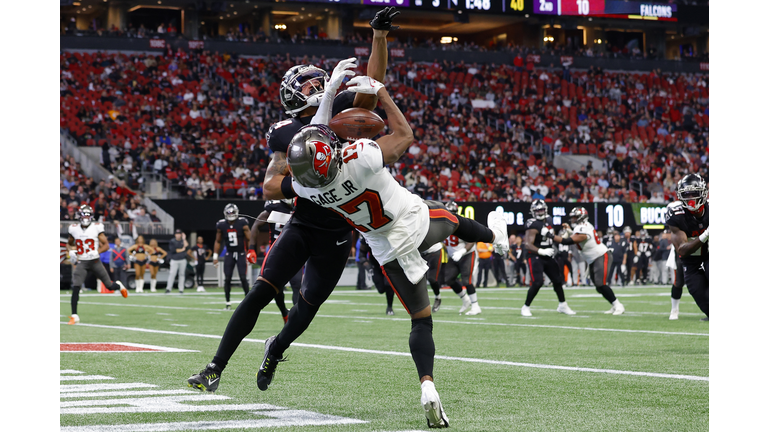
[323, 158]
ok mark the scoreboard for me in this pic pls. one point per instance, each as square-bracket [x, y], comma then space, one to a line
[489, 6]
[607, 9]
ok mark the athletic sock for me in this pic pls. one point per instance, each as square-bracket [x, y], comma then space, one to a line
[152, 284]
[473, 298]
[242, 321]
[75, 299]
[114, 286]
[675, 303]
[437, 296]
[471, 288]
[422, 345]
[140, 285]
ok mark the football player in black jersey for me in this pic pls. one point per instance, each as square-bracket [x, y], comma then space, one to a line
[275, 215]
[689, 223]
[539, 235]
[315, 236]
[644, 252]
[235, 231]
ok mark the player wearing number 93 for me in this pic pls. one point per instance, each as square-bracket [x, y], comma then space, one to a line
[398, 225]
[234, 231]
[597, 255]
[87, 241]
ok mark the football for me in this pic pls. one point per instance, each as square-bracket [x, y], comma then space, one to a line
[356, 123]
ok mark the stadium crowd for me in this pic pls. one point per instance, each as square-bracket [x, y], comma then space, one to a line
[482, 132]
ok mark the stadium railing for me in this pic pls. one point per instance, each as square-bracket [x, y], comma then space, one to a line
[126, 228]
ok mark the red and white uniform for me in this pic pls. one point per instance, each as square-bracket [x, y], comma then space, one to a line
[87, 240]
[591, 248]
[453, 243]
[393, 220]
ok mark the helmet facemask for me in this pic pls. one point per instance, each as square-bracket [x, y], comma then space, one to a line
[302, 89]
[539, 210]
[231, 213]
[693, 196]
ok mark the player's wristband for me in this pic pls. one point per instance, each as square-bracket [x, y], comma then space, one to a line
[286, 187]
[704, 237]
[567, 241]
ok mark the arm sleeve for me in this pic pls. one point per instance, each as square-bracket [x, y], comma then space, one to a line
[325, 110]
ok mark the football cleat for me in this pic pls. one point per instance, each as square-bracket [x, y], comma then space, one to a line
[268, 365]
[436, 305]
[390, 311]
[525, 311]
[123, 290]
[200, 289]
[498, 225]
[705, 319]
[673, 314]
[207, 379]
[228, 306]
[167, 290]
[475, 310]
[74, 319]
[610, 311]
[618, 309]
[466, 303]
[433, 409]
[564, 309]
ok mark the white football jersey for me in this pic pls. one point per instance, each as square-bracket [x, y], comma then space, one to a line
[453, 243]
[434, 248]
[87, 240]
[393, 220]
[591, 248]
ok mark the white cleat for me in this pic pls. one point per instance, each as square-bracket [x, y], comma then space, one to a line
[564, 309]
[498, 225]
[475, 309]
[200, 289]
[430, 400]
[467, 303]
[525, 311]
[153, 290]
[618, 309]
[673, 314]
[610, 311]
[74, 319]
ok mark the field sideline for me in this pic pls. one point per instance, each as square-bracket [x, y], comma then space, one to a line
[351, 371]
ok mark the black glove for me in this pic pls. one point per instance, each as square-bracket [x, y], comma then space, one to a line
[383, 19]
[550, 235]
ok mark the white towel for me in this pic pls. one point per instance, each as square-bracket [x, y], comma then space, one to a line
[414, 265]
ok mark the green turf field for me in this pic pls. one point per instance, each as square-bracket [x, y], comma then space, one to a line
[351, 370]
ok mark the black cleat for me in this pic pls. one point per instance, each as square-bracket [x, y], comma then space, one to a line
[436, 305]
[705, 319]
[268, 365]
[390, 311]
[207, 379]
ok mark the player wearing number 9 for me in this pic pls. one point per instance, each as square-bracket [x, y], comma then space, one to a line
[233, 230]
[86, 241]
[397, 225]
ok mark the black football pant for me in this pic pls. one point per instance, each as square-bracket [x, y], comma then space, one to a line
[538, 265]
[679, 281]
[200, 272]
[563, 262]
[499, 270]
[616, 266]
[325, 253]
[521, 268]
[484, 267]
[697, 281]
[231, 260]
[465, 266]
[642, 268]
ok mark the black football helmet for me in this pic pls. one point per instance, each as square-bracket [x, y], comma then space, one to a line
[231, 212]
[578, 215]
[539, 209]
[452, 207]
[302, 87]
[85, 215]
[692, 192]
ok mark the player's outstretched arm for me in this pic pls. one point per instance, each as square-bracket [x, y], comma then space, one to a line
[377, 62]
[684, 246]
[273, 179]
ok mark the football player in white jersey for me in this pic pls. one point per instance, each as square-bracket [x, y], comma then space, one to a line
[397, 224]
[462, 257]
[595, 253]
[86, 242]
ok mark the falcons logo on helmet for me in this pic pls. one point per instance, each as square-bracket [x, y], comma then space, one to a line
[323, 158]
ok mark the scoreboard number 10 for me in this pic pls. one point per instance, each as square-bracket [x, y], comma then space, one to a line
[583, 6]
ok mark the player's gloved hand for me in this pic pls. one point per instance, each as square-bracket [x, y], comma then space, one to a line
[550, 235]
[457, 255]
[635, 260]
[251, 256]
[623, 268]
[704, 237]
[364, 85]
[340, 72]
[648, 254]
[383, 19]
[548, 252]
[215, 260]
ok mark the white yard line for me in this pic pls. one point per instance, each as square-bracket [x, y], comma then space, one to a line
[124, 393]
[435, 320]
[405, 354]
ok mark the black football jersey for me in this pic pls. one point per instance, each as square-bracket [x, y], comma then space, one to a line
[543, 227]
[233, 234]
[678, 216]
[563, 251]
[518, 252]
[200, 252]
[279, 137]
[630, 245]
[277, 206]
[645, 247]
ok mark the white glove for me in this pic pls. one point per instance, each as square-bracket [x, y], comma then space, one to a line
[215, 260]
[648, 254]
[704, 237]
[623, 268]
[339, 73]
[365, 85]
[457, 255]
[635, 259]
[548, 252]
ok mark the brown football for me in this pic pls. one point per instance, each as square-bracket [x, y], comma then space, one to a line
[356, 123]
